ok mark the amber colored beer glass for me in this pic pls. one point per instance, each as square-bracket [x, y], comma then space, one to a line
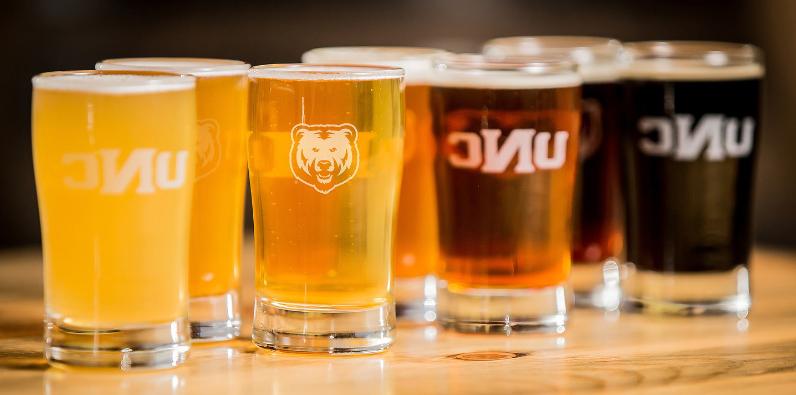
[597, 237]
[218, 197]
[416, 243]
[507, 133]
[325, 161]
[113, 154]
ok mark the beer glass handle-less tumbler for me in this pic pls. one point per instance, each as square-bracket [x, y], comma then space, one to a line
[597, 237]
[325, 160]
[218, 196]
[416, 239]
[507, 138]
[113, 154]
[692, 126]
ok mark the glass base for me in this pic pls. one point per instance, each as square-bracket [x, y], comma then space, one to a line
[490, 310]
[313, 328]
[707, 293]
[215, 318]
[156, 346]
[597, 284]
[416, 299]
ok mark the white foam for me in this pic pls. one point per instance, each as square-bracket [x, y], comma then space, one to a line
[325, 72]
[416, 61]
[493, 79]
[690, 70]
[201, 67]
[112, 83]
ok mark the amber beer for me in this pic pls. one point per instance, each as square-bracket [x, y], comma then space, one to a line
[114, 157]
[690, 145]
[325, 160]
[217, 216]
[507, 133]
[416, 242]
[597, 237]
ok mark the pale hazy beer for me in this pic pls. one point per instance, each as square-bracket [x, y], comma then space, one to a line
[325, 160]
[416, 243]
[114, 161]
[597, 237]
[692, 128]
[507, 137]
[217, 215]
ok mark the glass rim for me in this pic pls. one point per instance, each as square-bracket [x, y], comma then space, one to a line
[693, 60]
[601, 49]
[142, 81]
[522, 72]
[184, 65]
[321, 72]
[537, 65]
[713, 53]
[370, 53]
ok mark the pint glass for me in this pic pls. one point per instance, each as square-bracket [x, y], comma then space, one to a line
[416, 243]
[217, 214]
[113, 154]
[324, 161]
[693, 122]
[597, 232]
[507, 137]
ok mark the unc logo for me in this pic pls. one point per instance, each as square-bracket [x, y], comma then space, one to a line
[531, 148]
[208, 149]
[324, 156]
[715, 135]
[155, 170]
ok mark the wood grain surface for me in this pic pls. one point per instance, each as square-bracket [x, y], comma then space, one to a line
[599, 352]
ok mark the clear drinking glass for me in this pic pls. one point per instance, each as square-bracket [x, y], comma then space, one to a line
[597, 233]
[219, 187]
[507, 137]
[692, 121]
[325, 153]
[416, 241]
[113, 154]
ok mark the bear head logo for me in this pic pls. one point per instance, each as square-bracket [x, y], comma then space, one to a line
[324, 156]
[208, 148]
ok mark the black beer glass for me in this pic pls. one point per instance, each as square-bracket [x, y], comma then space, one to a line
[690, 142]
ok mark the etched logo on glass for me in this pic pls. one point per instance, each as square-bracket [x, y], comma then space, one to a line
[324, 156]
[208, 148]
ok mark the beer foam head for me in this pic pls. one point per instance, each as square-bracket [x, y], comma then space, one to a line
[202, 67]
[692, 61]
[599, 59]
[478, 71]
[318, 72]
[416, 61]
[113, 83]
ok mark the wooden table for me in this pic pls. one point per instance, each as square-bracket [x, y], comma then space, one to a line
[599, 352]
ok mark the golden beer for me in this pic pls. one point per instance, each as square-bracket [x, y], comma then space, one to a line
[324, 160]
[113, 154]
[216, 220]
[416, 243]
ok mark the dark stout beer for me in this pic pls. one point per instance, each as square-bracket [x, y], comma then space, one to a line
[597, 234]
[690, 142]
[691, 214]
[507, 144]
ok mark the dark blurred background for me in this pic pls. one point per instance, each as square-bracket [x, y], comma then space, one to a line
[46, 35]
